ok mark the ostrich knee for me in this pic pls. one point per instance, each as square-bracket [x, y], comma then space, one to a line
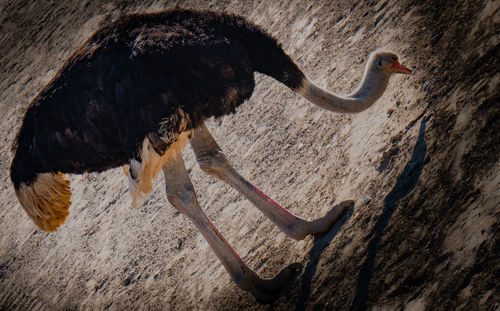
[214, 163]
[208, 154]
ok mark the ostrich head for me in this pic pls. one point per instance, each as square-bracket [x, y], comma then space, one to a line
[388, 62]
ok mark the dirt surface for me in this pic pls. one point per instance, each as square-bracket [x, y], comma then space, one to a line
[422, 166]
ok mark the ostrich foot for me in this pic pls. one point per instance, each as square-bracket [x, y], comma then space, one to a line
[267, 290]
[323, 224]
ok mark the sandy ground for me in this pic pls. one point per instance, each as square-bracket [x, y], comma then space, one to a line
[426, 155]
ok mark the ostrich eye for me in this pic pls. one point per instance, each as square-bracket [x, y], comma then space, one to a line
[379, 63]
[394, 58]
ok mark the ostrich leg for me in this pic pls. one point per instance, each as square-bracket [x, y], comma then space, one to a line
[181, 195]
[214, 162]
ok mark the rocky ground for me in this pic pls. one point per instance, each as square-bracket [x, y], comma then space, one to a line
[422, 166]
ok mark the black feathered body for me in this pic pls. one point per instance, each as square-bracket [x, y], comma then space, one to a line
[143, 74]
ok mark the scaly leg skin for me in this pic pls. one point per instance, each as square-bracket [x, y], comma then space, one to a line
[214, 162]
[181, 195]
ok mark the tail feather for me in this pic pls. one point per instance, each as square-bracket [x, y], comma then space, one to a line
[46, 200]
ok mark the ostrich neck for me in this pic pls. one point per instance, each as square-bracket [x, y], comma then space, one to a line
[371, 88]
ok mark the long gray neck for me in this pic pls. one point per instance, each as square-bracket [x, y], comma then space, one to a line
[371, 88]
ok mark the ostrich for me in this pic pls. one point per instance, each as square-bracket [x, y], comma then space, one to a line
[139, 90]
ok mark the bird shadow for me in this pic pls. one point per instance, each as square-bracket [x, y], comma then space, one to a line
[319, 245]
[405, 184]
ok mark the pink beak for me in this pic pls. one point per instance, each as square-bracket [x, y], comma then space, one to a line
[401, 68]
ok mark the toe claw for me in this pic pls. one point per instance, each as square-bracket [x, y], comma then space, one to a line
[347, 203]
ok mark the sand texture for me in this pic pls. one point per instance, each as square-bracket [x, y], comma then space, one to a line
[422, 166]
